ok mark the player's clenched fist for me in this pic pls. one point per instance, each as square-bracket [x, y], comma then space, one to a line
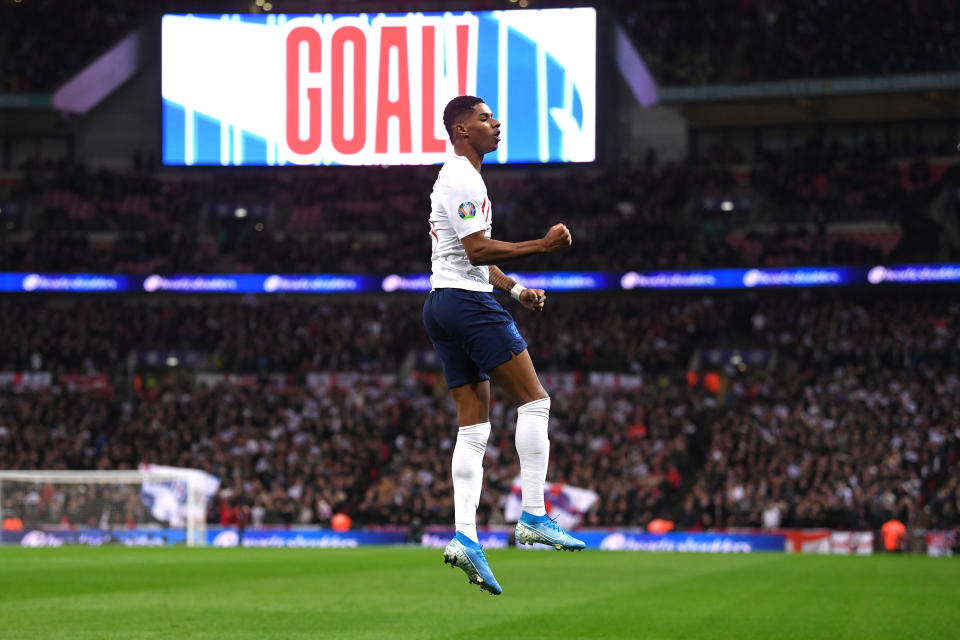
[533, 299]
[558, 238]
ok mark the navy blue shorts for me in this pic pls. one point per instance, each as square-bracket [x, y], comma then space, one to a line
[471, 332]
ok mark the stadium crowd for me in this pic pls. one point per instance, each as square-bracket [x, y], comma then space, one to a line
[702, 42]
[853, 420]
[816, 203]
[298, 336]
[43, 41]
[99, 337]
[848, 418]
[683, 42]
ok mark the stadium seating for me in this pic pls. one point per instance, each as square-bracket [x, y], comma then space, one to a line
[336, 406]
[700, 42]
[842, 415]
[813, 205]
[684, 42]
[42, 41]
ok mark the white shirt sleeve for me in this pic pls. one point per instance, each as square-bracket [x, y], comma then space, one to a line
[464, 204]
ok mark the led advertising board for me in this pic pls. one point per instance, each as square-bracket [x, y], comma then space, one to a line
[369, 89]
[341, 283]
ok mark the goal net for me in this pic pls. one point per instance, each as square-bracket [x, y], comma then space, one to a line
[154, 505]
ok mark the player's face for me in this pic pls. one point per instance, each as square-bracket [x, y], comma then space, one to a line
[483, 129]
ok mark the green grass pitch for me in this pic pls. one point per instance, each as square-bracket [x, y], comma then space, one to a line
[84, 593]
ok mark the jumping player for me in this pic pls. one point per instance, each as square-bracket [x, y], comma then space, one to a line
[477, 339]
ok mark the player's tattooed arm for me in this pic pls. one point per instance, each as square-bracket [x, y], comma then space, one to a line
[500, 280]
[532, 299]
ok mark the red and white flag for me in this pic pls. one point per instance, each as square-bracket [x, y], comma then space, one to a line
[564, 502]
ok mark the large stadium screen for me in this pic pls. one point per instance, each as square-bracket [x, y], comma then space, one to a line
[367, 89]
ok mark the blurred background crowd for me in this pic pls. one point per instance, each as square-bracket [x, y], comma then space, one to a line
[810, 204]
[699, 41]
[685, 42]
[847, 417]
[810, 409]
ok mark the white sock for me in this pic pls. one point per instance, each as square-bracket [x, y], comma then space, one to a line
[467, 468]
[534, 449]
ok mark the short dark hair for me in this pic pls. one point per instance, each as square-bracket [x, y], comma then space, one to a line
[456, 109]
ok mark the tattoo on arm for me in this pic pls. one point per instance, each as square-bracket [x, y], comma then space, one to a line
[500, 280]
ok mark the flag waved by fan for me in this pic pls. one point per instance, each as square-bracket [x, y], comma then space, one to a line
[564, 502]
[167, 496]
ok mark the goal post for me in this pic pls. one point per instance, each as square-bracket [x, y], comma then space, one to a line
[148, 499]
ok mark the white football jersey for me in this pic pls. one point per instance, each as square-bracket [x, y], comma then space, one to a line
[459, 207]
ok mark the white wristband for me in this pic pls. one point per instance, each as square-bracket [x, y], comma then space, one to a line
[516, 291]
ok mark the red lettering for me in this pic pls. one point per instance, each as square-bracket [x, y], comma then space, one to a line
[393, 37]
[431, 144]
[294, 39]
[463, 44]
[359, 106]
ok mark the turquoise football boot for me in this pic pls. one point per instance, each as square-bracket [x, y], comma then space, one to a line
[545, 530]
[468, 555]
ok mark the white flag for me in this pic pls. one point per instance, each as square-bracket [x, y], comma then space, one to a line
[564, 502]
[167, 499]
